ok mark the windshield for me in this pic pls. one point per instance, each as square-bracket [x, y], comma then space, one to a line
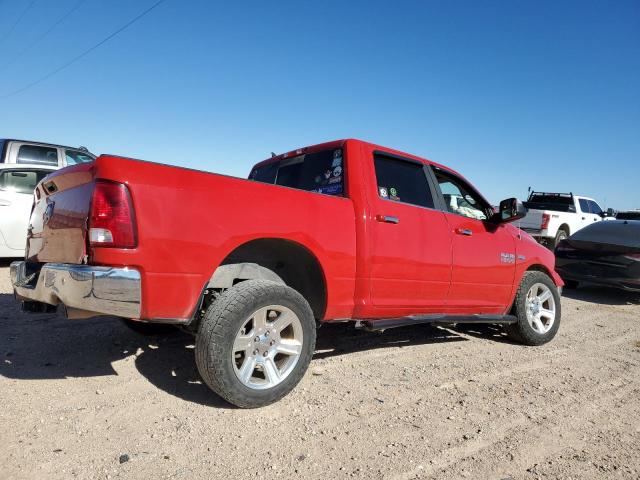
[74, 157]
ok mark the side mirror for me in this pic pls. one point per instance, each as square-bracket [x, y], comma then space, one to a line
[510, 210]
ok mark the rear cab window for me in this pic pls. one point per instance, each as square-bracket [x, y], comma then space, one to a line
[319, 172]
[557, 202]
[37, 155]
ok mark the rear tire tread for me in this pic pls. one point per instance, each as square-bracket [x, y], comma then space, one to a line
[220, 322]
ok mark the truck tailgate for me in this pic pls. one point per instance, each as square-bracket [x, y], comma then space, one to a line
[532, 221]
[58, 224]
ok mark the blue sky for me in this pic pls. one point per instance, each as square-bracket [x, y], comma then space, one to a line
[510, 93]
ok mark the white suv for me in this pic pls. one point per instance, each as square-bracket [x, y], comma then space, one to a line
[22, 166]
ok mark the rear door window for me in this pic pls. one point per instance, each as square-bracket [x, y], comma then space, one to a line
[21, 181]
[584, 205]
[37, 155]
[402, 181]
[320, 172]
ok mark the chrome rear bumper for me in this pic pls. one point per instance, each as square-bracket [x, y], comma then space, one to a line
[88, 290]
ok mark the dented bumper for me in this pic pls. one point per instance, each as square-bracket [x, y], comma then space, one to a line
[83, 290]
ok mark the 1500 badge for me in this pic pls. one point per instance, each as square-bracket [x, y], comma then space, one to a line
[507, 258]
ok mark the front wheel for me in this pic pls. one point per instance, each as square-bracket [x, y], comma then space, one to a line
[255, 343]
[537, 308]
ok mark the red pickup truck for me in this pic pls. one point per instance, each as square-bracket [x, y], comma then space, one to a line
[344, 230]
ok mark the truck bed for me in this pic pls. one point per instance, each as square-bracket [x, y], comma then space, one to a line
[180, 239]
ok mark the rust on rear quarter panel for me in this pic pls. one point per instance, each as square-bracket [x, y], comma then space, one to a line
[58, 225]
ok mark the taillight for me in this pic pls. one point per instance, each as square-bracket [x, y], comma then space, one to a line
[545, 221]
[112, 220]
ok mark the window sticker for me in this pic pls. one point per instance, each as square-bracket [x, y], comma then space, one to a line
[333, 189]
[383, 192]
[337, 158]
[393, 194]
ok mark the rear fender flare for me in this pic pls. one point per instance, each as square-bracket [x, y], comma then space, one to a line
[226, 276]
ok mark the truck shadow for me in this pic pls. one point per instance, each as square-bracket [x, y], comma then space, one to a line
[342, 338]
[5, 262]
[602, 295]
[49, 346]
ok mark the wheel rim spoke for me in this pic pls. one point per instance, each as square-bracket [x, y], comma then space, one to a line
[260, 318]
[248, 367]
[289, 347]
[549, 314]
[283, 321]
[546, 295]
[271, 372]
[538, 324]
[242, 342]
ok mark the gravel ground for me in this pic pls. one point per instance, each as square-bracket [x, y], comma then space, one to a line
[91, 399]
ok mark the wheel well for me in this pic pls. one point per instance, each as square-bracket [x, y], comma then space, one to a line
[292, 262]
[540, 268]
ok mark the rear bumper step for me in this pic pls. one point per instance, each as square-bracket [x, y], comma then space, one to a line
[385, 323]
[85, 291]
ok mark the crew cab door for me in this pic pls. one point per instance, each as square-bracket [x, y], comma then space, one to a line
[484, 254]
[409, 240]
[585, 217]
[16, 200]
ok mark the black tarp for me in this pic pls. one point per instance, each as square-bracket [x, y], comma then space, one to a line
[611, 235]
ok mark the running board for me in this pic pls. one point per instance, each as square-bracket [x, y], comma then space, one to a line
[385, 323]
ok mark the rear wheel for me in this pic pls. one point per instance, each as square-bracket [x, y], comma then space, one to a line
[560, 235]
[255, 343]
[537, 307]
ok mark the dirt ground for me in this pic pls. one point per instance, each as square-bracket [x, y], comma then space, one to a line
[92, 399]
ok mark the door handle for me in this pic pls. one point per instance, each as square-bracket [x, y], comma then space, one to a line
[5, 203]
[464, 231]
[387, 219]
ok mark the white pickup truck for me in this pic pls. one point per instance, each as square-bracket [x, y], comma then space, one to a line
[22, 165]
[552, 217]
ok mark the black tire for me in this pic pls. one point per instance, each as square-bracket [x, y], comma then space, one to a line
[222, 321]
[145, 328]
[561, 234]
[522, 331]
